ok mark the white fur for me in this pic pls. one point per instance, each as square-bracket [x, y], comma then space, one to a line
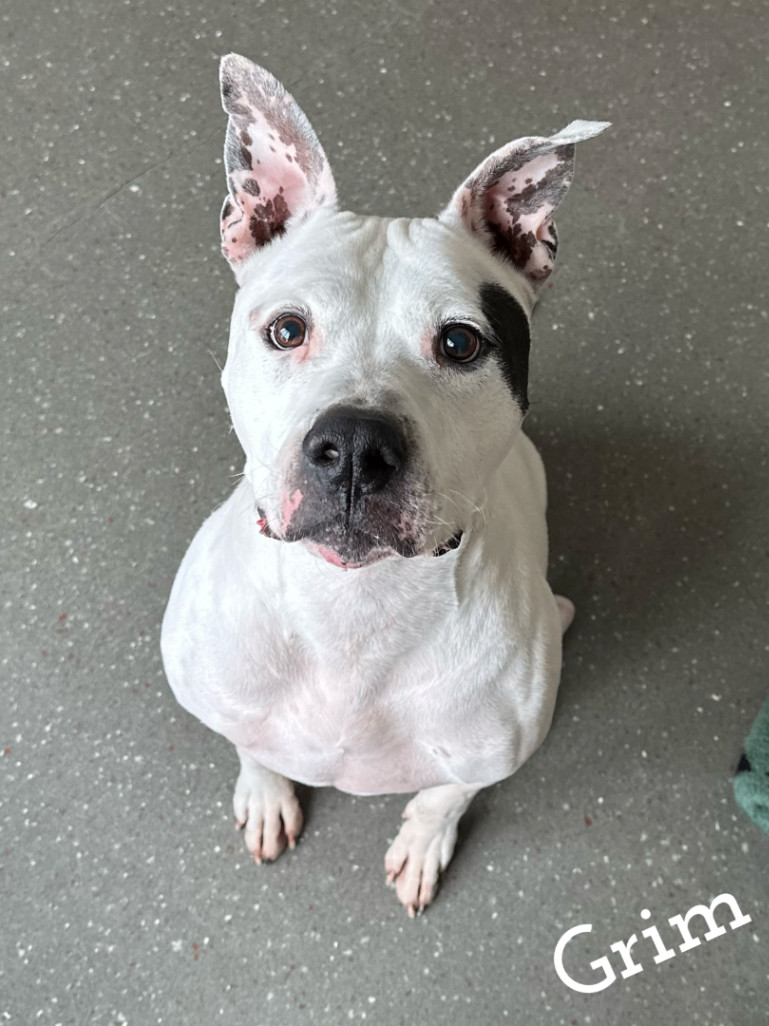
[435, 674]
[410, 673]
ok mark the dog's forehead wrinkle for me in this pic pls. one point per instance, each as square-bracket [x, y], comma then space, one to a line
[376, 289]
[328, 254]
[445, 266]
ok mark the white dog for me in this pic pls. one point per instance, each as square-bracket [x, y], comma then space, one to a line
[369, 608]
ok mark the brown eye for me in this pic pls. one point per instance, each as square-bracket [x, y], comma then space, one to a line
[459, 343]
[288, 332]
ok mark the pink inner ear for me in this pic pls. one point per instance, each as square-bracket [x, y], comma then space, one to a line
[277, 168]
[265, 200]
[510, 198]
[278, 160]
[518, 209]
[271, 189]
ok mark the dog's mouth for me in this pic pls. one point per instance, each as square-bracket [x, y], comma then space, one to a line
[353, 560]
[336, 559]
[448, 546]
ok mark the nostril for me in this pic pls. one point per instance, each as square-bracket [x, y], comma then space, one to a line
[376, 467]
[328, 454]
[323, 452]
[374, 462]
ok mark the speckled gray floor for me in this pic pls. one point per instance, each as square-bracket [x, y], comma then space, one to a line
[126, 895]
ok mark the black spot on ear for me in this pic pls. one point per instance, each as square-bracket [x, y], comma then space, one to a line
[510, 327]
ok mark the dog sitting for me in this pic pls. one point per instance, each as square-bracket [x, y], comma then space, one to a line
[369, 608]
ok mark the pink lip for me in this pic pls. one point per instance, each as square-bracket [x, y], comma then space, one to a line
[336, 560]
[331, 557]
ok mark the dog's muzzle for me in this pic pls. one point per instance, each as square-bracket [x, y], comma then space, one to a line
[356, 498]
[356, 492]
[448, 546]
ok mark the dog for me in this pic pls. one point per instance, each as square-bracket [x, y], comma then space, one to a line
[369, 608]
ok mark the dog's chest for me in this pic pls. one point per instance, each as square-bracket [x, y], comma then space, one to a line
[369, 725]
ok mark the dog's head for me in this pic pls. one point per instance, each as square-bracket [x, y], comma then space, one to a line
[377, 369]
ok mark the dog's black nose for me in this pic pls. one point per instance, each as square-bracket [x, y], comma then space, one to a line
[354, 451]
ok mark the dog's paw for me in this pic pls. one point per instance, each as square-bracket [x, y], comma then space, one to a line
[416, 858]
[265, 804]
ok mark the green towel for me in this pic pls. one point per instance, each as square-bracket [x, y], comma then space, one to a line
[751, 783]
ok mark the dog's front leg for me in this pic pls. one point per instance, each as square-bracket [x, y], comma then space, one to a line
[266, 805]
[425, 842]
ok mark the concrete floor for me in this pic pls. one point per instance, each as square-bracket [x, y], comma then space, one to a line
[126, 895]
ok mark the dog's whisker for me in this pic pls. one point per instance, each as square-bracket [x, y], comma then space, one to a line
[474, 507]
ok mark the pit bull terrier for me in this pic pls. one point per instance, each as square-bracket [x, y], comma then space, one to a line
[369, 608]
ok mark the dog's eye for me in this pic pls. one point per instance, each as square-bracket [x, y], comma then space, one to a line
[288, 332]
[459, 344]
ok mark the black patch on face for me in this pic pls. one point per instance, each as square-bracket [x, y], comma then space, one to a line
[510, 329]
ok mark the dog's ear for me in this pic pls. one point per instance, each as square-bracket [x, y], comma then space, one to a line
[276, 168]
[509, 199]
